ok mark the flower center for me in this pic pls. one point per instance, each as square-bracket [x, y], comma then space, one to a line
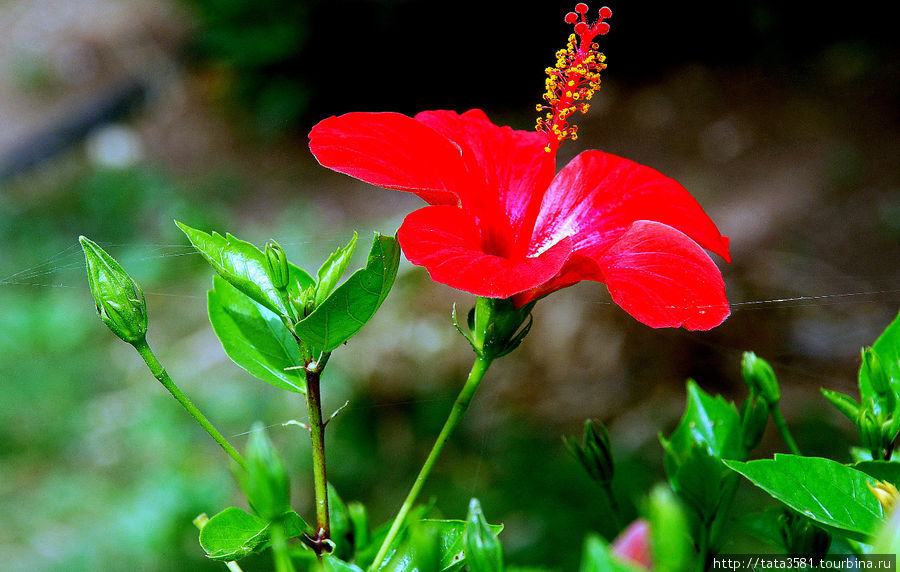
[574, 79]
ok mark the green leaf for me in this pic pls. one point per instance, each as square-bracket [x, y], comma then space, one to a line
[233, 534]
[242, 265]
[354, 303]
[483, 550]
[711, 422]
[843, 403]
[341, 532]
[450, 535]
[331, 271]
[881, 470]
[709, 431]
[595, 557]
[826, 491]
[254, 337]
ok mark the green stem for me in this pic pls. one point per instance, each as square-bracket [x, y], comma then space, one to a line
[160, 374]
[479, 368]
[317, 436]
[614, 506]
[782, 426]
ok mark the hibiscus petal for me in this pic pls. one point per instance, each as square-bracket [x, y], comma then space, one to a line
[510, 166]
[597, 196]
[446, 241]
[394, 151]
[663, 278]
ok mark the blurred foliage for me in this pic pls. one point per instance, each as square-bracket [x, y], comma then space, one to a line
[253, 49]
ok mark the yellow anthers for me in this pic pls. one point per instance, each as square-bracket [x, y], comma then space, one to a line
[886, 493]
[575, 77]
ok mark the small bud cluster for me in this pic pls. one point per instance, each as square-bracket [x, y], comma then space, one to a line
[572, 82]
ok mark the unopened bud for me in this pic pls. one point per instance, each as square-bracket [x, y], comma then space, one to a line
[277, 265]
[760, 378]
[753, 422]
[870, 432]
[266, 482]
[878, 378]
[594, 453]
[120, 300]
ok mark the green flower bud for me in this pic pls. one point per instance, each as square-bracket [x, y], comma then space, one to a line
[120, 300]
[754, 418]
[870, 433]
[801, 536]
[670, 533]
[265, 482]
[496, 326]
[482, 547]
[595, 452]
[277, 265]
[760, 378]
[886, 400]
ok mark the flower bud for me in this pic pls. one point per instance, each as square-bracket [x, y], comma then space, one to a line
[277, 265]
[482, 548]
[633, 544]
[755, 416]
[760, 378]
[878, 378]
[496, 326]
[870, 432]
[801, 536]
[595, 452]
[120, 300]
[266, 482]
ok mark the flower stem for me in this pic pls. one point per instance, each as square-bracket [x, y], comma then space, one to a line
[782, 426]
[317, 436]
[479, 368]
[160, 374]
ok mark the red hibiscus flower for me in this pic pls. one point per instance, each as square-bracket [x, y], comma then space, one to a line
[501, 223]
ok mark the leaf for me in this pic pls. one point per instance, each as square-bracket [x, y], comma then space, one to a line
[331, 271]
[233, 534]
[843, 403]
[354, 303]
[254, 337]
[595, 557]
[826, 491]
[710, 430]
[881, 470]
[711, 422]
[242, 265]
[450, 535]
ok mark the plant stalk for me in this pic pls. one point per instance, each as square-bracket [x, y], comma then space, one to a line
[160, 373]
[479, 368]
[317, 436]
[782, 426]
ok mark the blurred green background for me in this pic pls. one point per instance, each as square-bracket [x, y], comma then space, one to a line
[118, 116]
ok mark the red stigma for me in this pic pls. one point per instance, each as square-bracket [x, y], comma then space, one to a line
[574, 79]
